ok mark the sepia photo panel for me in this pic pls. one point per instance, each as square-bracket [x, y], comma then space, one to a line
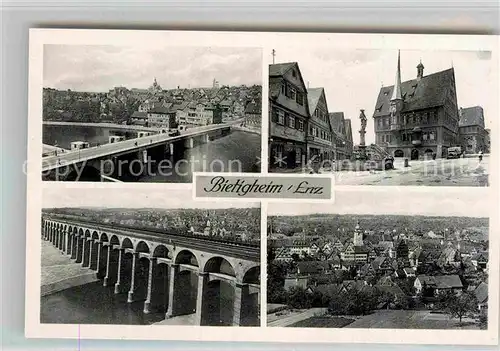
[419, 264]
[185, 110]
[381, 116]
[127, 256]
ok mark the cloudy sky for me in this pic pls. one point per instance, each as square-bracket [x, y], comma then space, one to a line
[352, 79]
[397, 201]
[109, 197]
[100, 68]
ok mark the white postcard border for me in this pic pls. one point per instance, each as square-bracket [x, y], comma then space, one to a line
[33, 327]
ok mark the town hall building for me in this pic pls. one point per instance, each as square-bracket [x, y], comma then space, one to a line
[418, 118]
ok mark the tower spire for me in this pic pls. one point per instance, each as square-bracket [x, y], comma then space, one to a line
[396, 93]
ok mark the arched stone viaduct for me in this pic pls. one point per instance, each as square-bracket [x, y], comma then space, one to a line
[218, 281]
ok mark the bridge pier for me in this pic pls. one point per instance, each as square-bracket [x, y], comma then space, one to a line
[94, 254]
[108, 264]
[68, 244]
[74, 244]
[79, 249]
[87, 251]
[202, 287]
[169, 148]
[118, 279]
[133, 280]
[151, 274]
[240, 291]
[171, 311]
[98, 258]
[206, 138]
[189, 143]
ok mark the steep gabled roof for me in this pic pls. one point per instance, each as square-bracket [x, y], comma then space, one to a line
[471, 116]
[441, 281]
[430, 91]
[279, 69]
[313, 96]
[337, 121]
[276, 72]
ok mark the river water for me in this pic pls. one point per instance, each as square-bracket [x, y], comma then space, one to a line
[237, 152]
[94, 304]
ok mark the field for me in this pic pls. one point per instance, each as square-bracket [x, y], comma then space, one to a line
[405, 319]
[322, 322]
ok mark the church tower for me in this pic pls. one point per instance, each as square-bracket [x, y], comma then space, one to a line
[358, 236]
[397, 97]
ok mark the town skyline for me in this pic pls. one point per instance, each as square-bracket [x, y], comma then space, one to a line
[449, 204]
[98, 69]
[132, 198]
[352, 78]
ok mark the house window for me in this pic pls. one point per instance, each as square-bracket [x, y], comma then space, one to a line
[300, 98]
[432, 136]
[300, 125]
[283, 88]
[291, 121]
[281, 117]
[293, 93]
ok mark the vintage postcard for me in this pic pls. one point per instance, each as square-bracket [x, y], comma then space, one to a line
[306, 187]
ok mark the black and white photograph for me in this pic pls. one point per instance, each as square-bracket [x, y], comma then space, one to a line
[394, 266]
[382, 117]
[134, 114]
[135, 257]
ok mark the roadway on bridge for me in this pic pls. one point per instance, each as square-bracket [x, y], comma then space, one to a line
[53, 162]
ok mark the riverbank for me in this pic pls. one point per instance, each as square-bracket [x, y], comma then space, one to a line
[257, 131]
[102, 125]
[59, 272]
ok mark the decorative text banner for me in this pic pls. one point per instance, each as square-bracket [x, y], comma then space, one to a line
[263, 187]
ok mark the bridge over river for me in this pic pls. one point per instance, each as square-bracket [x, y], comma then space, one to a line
[121, 159]
[216, 281]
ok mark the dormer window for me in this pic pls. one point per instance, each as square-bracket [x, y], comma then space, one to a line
[386, 93]
[294, 74]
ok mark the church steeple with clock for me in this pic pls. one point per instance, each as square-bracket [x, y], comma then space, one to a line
[397, 97]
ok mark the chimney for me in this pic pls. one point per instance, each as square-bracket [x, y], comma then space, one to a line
[420, 71]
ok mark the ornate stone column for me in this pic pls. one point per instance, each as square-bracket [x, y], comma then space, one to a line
[151, 274]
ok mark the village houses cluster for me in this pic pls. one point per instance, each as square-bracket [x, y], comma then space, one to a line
[199, 106]
[158, 108]
[402, 264]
